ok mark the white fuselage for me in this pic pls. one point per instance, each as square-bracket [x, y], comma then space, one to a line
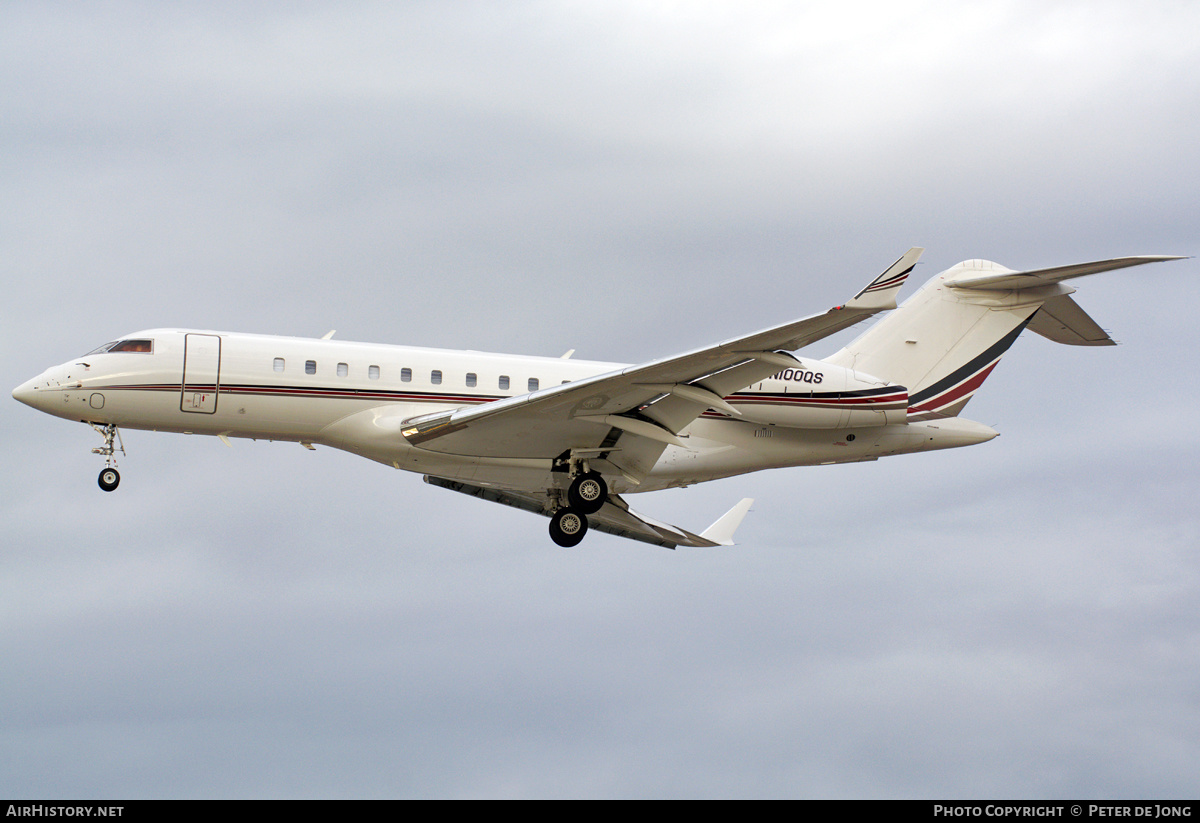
[354, 396]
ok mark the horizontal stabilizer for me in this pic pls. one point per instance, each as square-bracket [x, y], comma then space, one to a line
[987, 275]
[1062, 320]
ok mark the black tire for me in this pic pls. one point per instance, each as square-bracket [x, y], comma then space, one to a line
[567, 527]
[109, 479]
[587, 493]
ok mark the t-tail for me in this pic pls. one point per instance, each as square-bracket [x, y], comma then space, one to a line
[944, 341]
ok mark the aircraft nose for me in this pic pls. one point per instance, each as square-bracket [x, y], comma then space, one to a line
[27, 392]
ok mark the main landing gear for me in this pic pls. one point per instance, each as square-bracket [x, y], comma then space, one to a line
[586, 495]
[109, 477]
[567, 527]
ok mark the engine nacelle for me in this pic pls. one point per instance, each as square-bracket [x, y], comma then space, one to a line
[816, 395]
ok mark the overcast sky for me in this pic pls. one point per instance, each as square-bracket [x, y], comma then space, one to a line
[630, 180]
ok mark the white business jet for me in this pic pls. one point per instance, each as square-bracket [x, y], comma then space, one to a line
[567, 438]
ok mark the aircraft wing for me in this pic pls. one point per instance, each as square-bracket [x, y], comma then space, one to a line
[645, 405]
[614, 518]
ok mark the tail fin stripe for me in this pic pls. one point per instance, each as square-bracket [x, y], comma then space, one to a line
[977, 364]
[963, 390]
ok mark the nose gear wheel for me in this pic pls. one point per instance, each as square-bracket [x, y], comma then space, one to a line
[109, 479]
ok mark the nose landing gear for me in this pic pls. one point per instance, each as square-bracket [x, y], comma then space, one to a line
[109, 477]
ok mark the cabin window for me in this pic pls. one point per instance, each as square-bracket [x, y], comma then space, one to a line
[279, 364]
[343, 369]
[472, 379]
[373, 372]
[435, 377]
[406, 375]
[310, 366]
[533, 384]
[504, 382]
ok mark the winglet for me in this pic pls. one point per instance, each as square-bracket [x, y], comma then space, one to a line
[721, 532]
[880, 293]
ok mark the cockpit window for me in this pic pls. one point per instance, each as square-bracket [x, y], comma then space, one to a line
[144, 346]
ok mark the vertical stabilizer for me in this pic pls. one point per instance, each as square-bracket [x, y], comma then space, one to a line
[944, 341]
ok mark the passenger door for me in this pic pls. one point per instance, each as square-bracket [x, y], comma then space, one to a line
[201, 373]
